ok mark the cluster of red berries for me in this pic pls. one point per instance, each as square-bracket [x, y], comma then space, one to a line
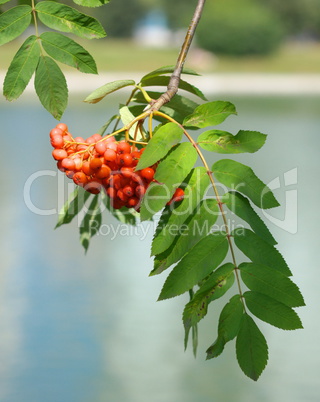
[98, 163]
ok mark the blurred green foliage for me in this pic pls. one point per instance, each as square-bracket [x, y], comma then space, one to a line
[239, 27]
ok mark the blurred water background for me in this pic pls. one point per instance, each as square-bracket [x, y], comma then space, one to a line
[88, 328]
[80, 328]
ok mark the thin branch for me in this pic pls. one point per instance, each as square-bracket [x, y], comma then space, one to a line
[173, 85]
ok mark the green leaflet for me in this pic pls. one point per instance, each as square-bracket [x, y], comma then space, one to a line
[242, 178]
[272, 311]
[164, 81]
[259, 251]
[160, 144]
[228, 327]
[179, 161]
[251, 348]
[67, 51]
[210, 114]
[218, 283]
[197, 183]
[72, 206]
[272, 283]
[240, 206]
[168, 70]
[91, 223]
[201, 260]
[13, 22]
[187, 235]
[226, 143]
[4, 1]
[67, 19]
[98, 94]
[21, 68]
[126, 118]
[91, 3]
[51, 86]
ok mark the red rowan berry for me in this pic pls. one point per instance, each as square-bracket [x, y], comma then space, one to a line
[59, 154]
[132, 202]
[100, 147]
[128, 191]
[147, 173]
[87, 169]
[140, 191]
[68, 164]
[125, 160]
[95, 163]
[124, 147]
[80, 178]
[57, 141]
[56, 131]
[63, 127]
[104, 172]
[110, 155]
[127, 171]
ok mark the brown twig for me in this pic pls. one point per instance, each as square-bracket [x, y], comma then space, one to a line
[173, 85]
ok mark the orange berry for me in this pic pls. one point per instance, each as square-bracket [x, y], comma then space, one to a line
[100, 147]
[104, 172]
[124, 147]
[57, 141]
[96, 137]
[95, 163]
[63, 127]
[56, 131]
[68, 164]
[125, 160]
[147, 173]
[87, 169]
[80, 178]
[128, 191]
[127, 171]
[59, 154]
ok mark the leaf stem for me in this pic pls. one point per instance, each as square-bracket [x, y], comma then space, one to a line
[173, 85]
[220, 204]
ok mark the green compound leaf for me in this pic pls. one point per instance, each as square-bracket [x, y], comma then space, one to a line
[240, 206]
[274, 284]
[225, 143]
[160, 144]
[187, 235]
[169, 175]
[98, 94]
[91, 223]
[51, 87]
[218, 283]
[91, 3]
[69, 52]
[164, 81]
[168, 70]
[259, 251]
[229, 325]
[240, 177]
[202, 259]
[72, 206]
[210, 114]
[13, 22]
[272, 311]
[196, 183]
[67, 19]
[21, 68]
[251, 348]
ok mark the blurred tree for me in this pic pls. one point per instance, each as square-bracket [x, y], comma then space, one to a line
[121, 16]
[239, 27]
[179, 12]
[299, 16]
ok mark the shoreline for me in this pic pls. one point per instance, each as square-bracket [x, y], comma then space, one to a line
[215, 83]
